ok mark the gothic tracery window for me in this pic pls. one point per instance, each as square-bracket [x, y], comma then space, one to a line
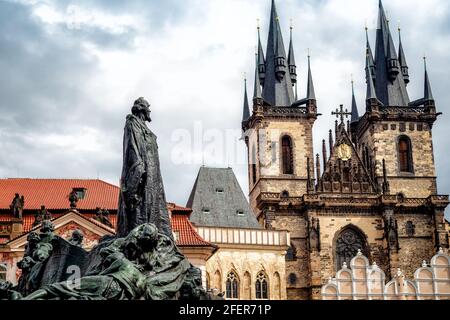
[261, 286]
[287, 155]
[232, 286]
[405, 154]
[347, 245]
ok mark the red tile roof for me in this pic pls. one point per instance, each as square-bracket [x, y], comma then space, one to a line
[53, 193]
[186, 233]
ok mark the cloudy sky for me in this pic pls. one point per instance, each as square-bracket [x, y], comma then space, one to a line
[70, 70]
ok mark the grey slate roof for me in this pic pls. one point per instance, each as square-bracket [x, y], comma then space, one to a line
[371, 94]
[401, 52]
[390, 93]
[276, 92]
[223, 207]
[310, 92]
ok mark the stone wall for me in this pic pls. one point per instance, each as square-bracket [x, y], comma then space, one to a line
[382, 140]
[362, 281]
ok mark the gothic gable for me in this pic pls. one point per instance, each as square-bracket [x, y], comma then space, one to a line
[344, 171]
[64, 227]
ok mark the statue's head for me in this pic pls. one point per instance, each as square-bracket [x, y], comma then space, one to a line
[77, 235]
[147, 236]
[141, 108]
[47, 227]
[33, 237]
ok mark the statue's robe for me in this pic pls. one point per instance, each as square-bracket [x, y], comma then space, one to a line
[122, 280]
[142, 181]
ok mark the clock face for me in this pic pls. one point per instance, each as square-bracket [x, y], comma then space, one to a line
[344, 152]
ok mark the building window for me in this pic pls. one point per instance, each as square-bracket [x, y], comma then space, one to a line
[253, 165]
[290, 253]
[240, 212]
[405, 154]
[410, 229]
[206, 210]
[287, 155]
[292, 279]
[232, 286]
[348, 243]
[261, 286]
[3, 272]
[219, 190]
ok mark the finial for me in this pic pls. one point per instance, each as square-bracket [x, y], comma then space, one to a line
[365, 25]
[257, 24]
[277, 18]
[292, 24]
[245, 77]
[344, 265]
[374, 265]
[424, 264]
[425, 61]
[441, 251]
[359, 252]
[399, 28]
[351, 79]
[308, 52]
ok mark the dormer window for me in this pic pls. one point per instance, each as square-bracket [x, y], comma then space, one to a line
[219, 190]
[240, 212]
[81, 193]
[206, 210]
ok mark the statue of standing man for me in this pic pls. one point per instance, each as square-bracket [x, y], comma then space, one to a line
[142, 199]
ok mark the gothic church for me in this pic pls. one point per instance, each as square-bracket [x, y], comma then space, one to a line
[373, 188]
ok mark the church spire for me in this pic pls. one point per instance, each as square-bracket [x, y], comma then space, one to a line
[310, 93]
[428, 94]
[246, 109]
[355, 113]
[371, 62]
[257, 87]
[371, 94]
[261, 63]
[390, 84]
[291, 60]
[277, 89]
[402, 58]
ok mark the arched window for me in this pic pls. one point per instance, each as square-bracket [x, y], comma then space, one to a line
[3, 272]
[348, 242]
[253, 164]
[261, 286]
[410, 229]
[232, 290]
[405, 154]
[290, 253]
[287, 155]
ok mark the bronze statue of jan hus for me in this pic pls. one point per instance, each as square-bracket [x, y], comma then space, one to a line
[142, 198]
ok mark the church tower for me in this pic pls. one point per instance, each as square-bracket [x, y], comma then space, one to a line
[278, 132]
[394, 129]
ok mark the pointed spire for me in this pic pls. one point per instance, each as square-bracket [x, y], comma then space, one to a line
[355, 113]
[402, 58]
[390, 84]
[370, 63]
[291, 60]
[277, 89]
[261, 63]
[428, 94]
[371, 94]
[257, 88]
[310, 93]
[246, 111]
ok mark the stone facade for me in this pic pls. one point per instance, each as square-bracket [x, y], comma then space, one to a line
[248, 254]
